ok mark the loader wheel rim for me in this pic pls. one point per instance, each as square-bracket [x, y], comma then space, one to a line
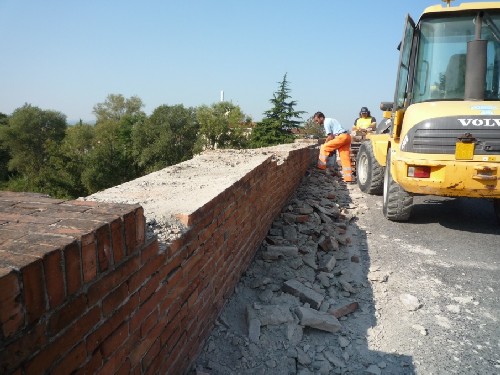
[362, 168]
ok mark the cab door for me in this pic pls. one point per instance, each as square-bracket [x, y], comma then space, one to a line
[405, 65]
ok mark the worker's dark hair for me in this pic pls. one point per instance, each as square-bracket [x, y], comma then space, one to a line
[365, 110]
[319, 114]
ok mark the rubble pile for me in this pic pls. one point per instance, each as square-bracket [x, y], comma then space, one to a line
[305, 305]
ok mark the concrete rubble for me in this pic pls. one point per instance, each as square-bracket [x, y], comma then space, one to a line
[304, 305]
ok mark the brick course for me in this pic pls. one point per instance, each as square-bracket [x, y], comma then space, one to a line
[83, 290]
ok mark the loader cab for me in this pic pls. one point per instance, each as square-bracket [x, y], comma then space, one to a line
[449, 56]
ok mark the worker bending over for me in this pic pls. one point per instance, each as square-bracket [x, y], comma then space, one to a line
[337, 138]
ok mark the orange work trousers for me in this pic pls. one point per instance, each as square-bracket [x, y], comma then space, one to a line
[341, 142]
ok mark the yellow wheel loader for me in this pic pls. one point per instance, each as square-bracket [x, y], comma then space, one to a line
[441, 134]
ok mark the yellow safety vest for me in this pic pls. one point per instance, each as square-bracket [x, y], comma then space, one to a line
[363, 123]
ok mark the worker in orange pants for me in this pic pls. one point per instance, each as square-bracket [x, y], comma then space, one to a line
[337, 138]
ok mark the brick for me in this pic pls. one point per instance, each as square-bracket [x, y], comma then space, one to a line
[150, 250]
[177, 314]
[104, 330]
[152, 266]
[10, 259]
[85, 224]
[117, 240]
[115, 340]
[89, 257]
[344, 310]
[317, 319]
[68, 313]
[140, 230]
[154, 367]
[48, 239]
[141, 315]
[170, 298]
[174, 354]
[102, 287]
[72, 361]
[130, 232]
[90, 368]
[139, 349]
[150, 286]
[34, 291]
[125, 368]
[120, 356]
[18, 350]
[185, 219]
[170, 336]
[111, 365]
[11, 311]
[7, 234]
[175, 246]
[44, 359]
[54, 278]
[150, 355]
[73, 232]
[153, 302]
[149, 323]
[115, 299]
[104, 252]
[73, 265]
[193, 347]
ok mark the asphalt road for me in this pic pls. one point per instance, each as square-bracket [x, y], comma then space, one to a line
[447, 256]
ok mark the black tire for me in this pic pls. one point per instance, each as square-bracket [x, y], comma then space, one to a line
[369, 173]
[496, 206]
[397, 203]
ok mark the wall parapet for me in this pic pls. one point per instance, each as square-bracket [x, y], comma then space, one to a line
[84, 288]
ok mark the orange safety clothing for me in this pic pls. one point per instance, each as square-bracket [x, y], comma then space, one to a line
[341, 142]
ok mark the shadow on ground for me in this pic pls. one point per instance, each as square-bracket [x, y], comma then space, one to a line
[474, 215]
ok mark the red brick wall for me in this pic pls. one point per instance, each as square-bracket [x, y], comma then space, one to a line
[82, 290]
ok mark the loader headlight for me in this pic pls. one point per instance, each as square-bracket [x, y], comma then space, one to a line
[419, 171]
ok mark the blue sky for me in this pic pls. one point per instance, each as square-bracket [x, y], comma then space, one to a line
[69, 55]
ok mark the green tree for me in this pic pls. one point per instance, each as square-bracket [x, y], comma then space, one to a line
[4, 153]
[109, 162]
[221, 126]
[276, 127]
[28, 137]
[116, 106]
[166, 138]
[66, 164]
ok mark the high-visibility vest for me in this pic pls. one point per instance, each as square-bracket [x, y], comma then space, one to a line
[363, 123]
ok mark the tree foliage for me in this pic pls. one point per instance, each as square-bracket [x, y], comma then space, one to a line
[221, 126]
[116, 106]
[166, 138]
[68, 162]
[109, 161]
[4, 153]
[30, 134]
[276, 127]
[40, 153]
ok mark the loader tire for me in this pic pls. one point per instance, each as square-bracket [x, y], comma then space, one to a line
[496, 206]
[369, 173]
[397, 203]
